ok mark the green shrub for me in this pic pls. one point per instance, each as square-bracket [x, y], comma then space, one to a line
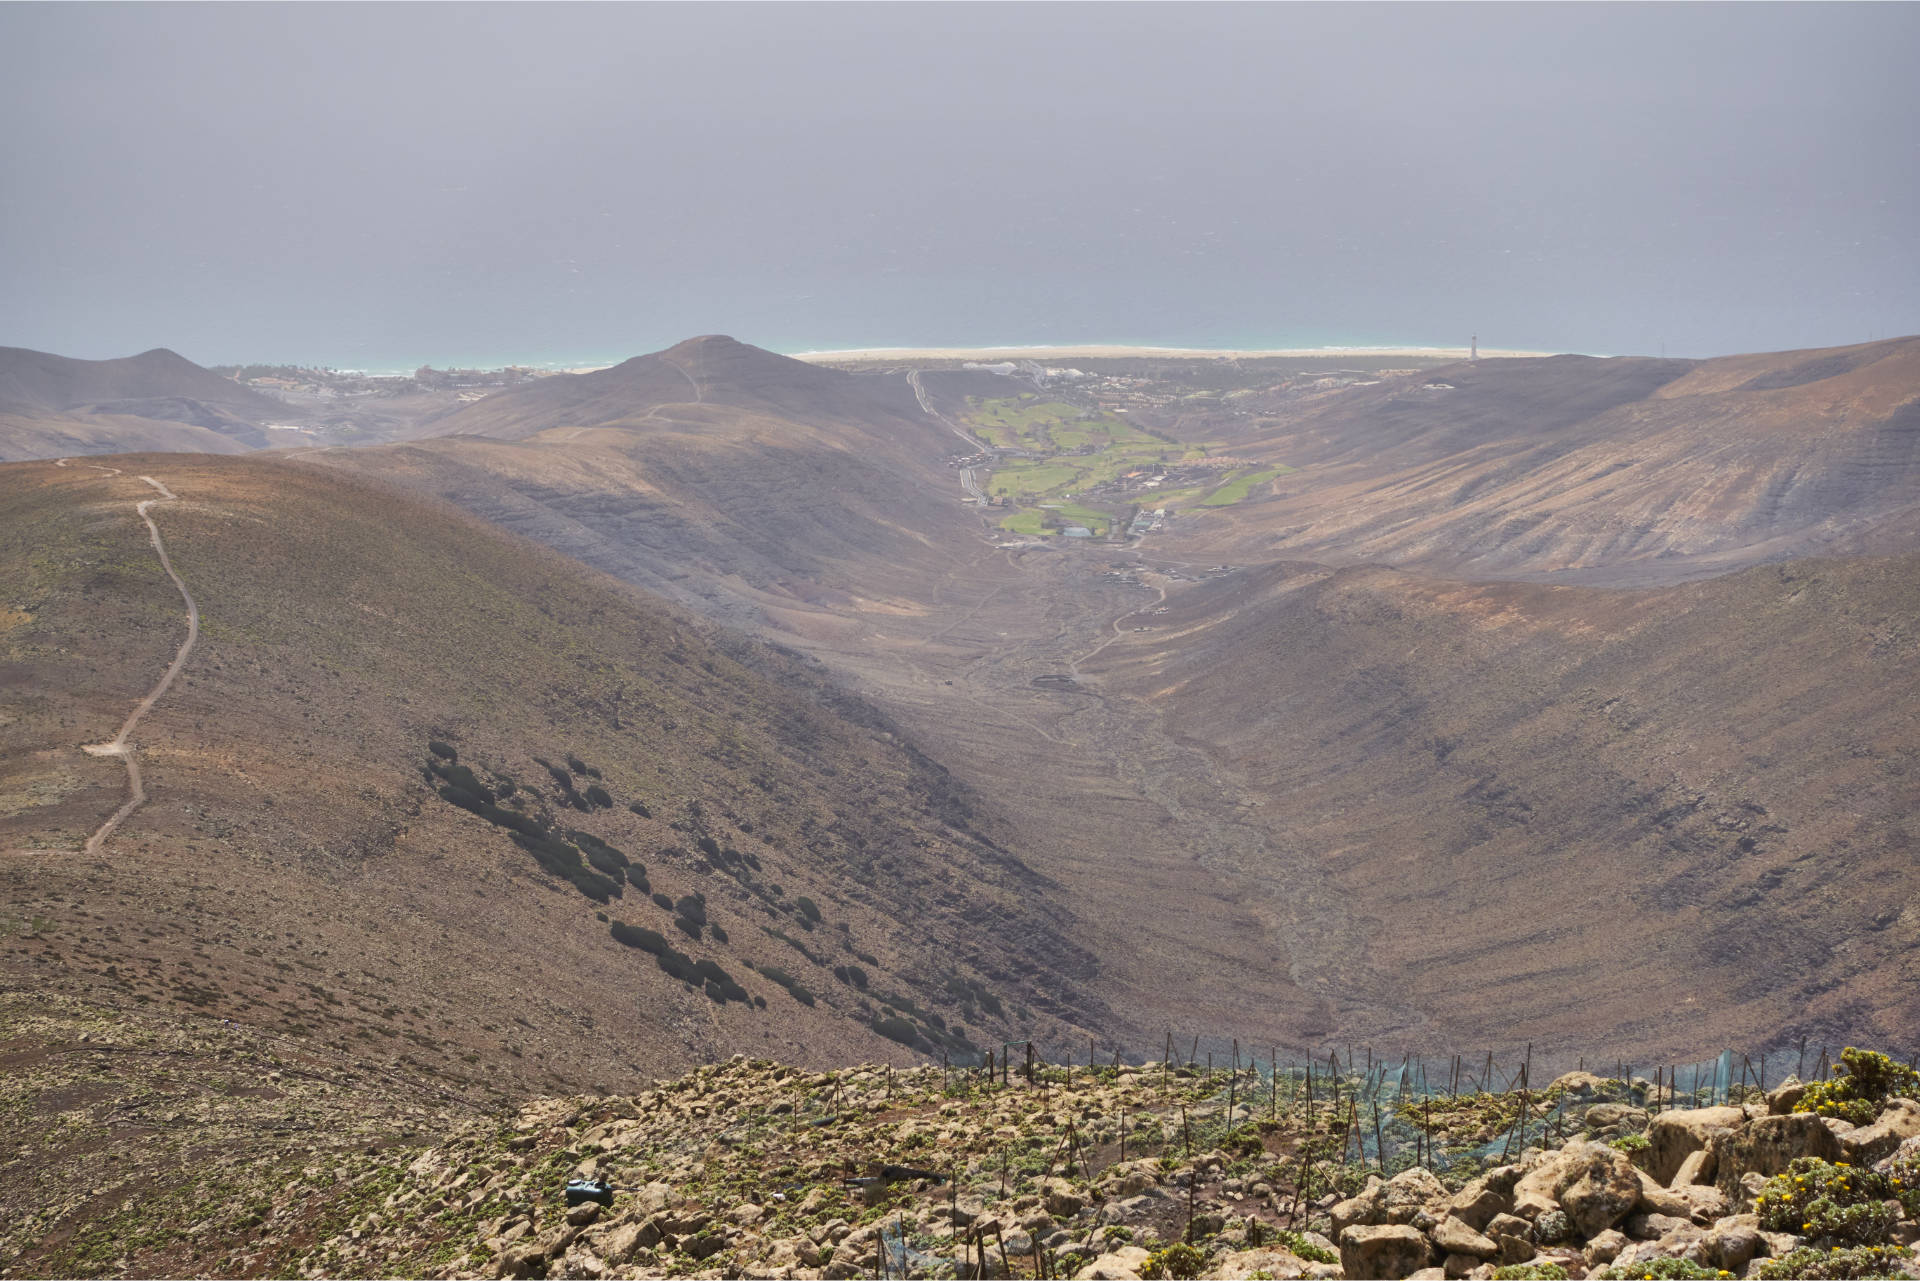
[774, 974]
[443, 750]
[719, 935]
[575, 764]
[560, 776]
[694, 908]
[640, 808]
[708, 846]
[851, 975]
[1868, 1079]
[1903, 1184]
[689, 928]
[662, 902]
[635, 936]
[1834, 1265]
[598, 795]
[807, 908]
[1298, 1243]
[1176, 1260]
[1631, 1143]
[1554, 1272]
[896, 1029]
[678, 964]
[1827, 1203]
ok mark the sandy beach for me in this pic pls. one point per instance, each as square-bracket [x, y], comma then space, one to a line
[1108, 352]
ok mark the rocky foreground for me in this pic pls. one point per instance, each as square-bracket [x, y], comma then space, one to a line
[754, 1169]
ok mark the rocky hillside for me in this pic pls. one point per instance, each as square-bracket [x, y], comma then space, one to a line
[1110, 1171]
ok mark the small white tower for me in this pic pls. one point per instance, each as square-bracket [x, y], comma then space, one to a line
[1474, 351]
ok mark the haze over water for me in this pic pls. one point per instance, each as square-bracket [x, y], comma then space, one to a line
[571, 185]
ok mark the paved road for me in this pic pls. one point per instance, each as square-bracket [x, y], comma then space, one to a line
[119, 746]
[968, 481]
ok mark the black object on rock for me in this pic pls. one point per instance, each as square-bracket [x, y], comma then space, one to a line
[580, 1191]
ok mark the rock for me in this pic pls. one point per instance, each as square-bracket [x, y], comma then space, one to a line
[1705, 1203]
[1490, 1194]
[1454, 1236]
[619, 1245]
[1579, 1083]
[1732, 1246]
[1674, 1136]
[1768, 1145]
[1412, 1191]
[1061, 1200]
[1124, 1264]
[1428, 1274]
[1780, 1244]
[522, 1261]
[653, 1197]
[1909, 1150]
[584, 1213]
[1387, 1251]
[1655, 1199]
[747, 1214]
[1268, 1261]
[1367, 1208]
[1697, 1168]
[1651, 1227]
[1782, 1097]
[1602, 1115]
[1513, 1248]
[1605, 1247]
[1456, 1267]
[1604, 1194]
[1870, 1143]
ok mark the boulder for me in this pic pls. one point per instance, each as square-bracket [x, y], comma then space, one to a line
[1604, 1115]
[1061, 1199]
[1455, 1237]
[1580, 1084]
[1770, 1144]
[1604, 1194]
[653, 1197]
[1732, 1246]
[1602, 1182]
[1782, 1097]
[1457, 1267]
[1651, 1227]
[1266, 1261]
[1490, 1194]
[1125, 1264]
[521, 1262]
[1364, 1209]
[1605, 1247]
[1387, 1251]
[1705, 1203]
[1870, 1143]
[1697, 1168]
[1674, 1136]
[584, 1213]
[1655, 1199]
[1412, 1191]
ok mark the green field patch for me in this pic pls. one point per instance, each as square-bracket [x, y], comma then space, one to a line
[1027, 522]
[1238, 487]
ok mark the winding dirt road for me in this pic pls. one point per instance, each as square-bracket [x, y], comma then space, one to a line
[120, 746]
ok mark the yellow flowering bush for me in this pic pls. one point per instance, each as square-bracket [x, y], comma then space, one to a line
[1827, 1202]
[1868, 1079]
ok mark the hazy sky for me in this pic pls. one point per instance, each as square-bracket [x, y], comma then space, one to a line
[381, 185]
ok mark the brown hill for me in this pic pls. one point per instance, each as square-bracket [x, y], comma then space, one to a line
[729, 478]
[1623, 471]
[55, 405]
[308, 865]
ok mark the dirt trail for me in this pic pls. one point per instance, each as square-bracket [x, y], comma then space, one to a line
[119, 746]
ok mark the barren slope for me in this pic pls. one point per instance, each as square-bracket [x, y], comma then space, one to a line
[1626, 470]
[1579, 811]
[306, 866]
